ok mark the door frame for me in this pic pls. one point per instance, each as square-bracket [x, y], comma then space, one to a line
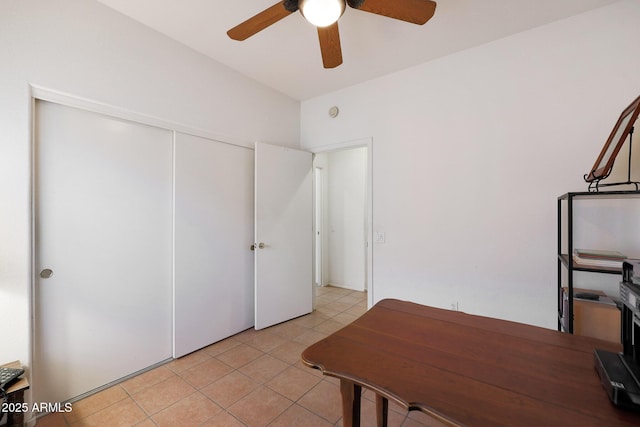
[318, 226]
[356, 143]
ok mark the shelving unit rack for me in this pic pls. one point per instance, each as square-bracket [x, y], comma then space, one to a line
[565, 260]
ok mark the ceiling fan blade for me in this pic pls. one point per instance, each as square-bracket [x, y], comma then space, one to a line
[262, 20]
[414, 11]
[330, 45]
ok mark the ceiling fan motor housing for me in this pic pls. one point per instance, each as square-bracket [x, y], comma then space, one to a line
[290, 5]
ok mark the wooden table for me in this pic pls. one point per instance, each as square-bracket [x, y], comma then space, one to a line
[15, 396]
[466, 370]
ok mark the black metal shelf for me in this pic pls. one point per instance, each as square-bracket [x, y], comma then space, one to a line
[599, 194]
[564, 258]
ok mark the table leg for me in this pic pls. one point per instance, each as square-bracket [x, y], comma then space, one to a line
[350, 403]
[382, 410]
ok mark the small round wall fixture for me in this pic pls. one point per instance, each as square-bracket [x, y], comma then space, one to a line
[333, 112]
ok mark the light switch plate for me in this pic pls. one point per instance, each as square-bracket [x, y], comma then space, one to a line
[379, 236]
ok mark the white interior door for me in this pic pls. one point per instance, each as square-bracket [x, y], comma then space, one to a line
[103, 240]
[283, 234]
[213, 233]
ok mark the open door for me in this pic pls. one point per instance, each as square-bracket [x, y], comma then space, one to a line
[283, 234]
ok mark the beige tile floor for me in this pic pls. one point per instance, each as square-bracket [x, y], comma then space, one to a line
[254, 378]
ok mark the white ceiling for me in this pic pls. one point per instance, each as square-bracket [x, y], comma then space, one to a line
[286, 56]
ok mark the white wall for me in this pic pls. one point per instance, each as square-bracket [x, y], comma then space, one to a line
[346, 215]
[84, 49]
[471, 151]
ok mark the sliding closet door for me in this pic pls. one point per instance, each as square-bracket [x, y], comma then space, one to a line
[103, 239]
[213, 234]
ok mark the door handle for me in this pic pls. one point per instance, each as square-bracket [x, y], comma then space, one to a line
[253, 247]
[261, 245]
[46, 273]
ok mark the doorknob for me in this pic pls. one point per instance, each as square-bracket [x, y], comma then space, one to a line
[253, 247]
[261, 245]
[46, 273]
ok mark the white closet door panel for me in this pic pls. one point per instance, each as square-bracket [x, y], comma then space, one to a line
[104, 227]
[213, 234]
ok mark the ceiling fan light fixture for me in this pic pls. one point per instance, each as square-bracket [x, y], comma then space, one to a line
[321, 13]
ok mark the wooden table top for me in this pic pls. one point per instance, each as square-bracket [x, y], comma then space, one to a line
[471, 370]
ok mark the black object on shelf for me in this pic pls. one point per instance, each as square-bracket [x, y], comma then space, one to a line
[620, 372]
[588, 296]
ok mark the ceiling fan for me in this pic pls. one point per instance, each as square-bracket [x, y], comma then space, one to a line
[324, 14]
